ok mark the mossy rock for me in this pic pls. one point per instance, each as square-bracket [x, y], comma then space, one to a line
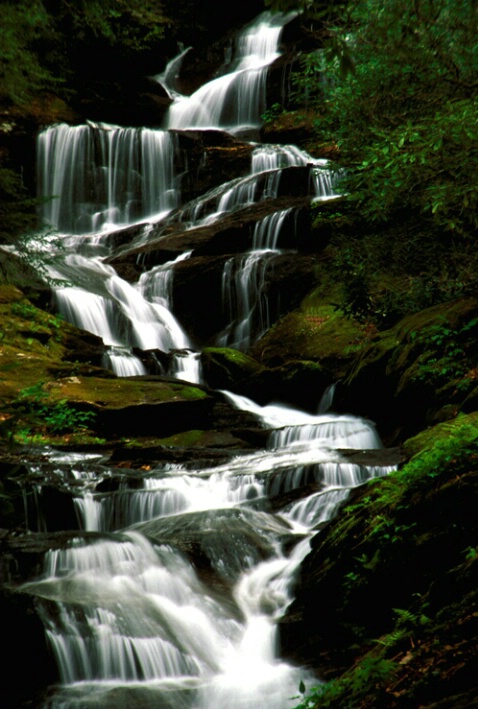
[314, 332]
[17, 273]
[194, 439]
[408, 542]
[422, 370]
[227, 368]
[427, 438]
[59, 363]
[300, 383]
[35, 346]
[10, 294]
[143, 406]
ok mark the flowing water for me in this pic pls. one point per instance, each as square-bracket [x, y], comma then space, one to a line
[174, 601]
[236, 99]
[133, 617]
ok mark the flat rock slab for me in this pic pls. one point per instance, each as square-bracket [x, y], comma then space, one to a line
[142, 405]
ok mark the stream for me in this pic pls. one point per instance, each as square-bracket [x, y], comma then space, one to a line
[173, 602]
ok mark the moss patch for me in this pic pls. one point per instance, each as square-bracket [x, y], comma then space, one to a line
[43, 405]
[430, 436]
[398, 572]
[318, 332]
[119, 393]
[227, 368]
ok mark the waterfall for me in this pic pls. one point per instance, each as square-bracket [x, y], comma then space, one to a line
[243, 285]
[170, 593]
[156, 286]
[235, 99]
[118, 314]
[97, 176]
[128, 615]
[168, 78]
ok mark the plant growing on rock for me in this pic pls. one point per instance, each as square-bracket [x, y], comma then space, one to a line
[35, 410]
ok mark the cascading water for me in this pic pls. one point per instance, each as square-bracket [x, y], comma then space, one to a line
[236, 99]
[100, 176]
[132, 617]
[103, 176]
[168, 78]
[243, 281]
[129, 618]
[118, 313]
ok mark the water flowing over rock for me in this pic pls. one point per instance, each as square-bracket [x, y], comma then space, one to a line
[167, 588]
[126, 609]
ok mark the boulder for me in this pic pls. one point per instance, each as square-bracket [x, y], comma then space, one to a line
[391, 593]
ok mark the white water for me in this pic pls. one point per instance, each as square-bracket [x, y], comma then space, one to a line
[133, 617]
[168, 78]
[243, 285]
[237, 98]
[102, 175]
[174, 604]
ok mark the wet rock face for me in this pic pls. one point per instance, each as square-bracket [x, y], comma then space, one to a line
[410, 366]
[210, 158]
[204, 315]
[221, 542]
[27, 650]
[397, 561]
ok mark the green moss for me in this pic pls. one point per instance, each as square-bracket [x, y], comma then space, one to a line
[76, 438]
[240, 359]
[402, 542]
[315, 332]
[30, 342]
[428, 438]
[227, 368]
[35, 347]
[118, 393]
[185, 439]
[10, 294]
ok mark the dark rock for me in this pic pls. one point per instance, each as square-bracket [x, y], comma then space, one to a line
[210, 158]
[220, 542]
[298, 383]
[361, 581]
[288, 280]
[81, 346]
[28, 664]
[375, 457]
[232, 233]
[23, 274]
[405, 364]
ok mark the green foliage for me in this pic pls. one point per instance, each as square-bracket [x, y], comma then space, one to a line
[380, 511]
[394, 86]
[422, 165]
[389, 272]
[272, 113]
[34, 409]
[407, 625]
[449, 353]
[349, 690]
[133, 24]
[453, 454]
[22, 72]
[41, 39]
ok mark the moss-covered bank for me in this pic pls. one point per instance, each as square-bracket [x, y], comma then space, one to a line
[385, 607]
